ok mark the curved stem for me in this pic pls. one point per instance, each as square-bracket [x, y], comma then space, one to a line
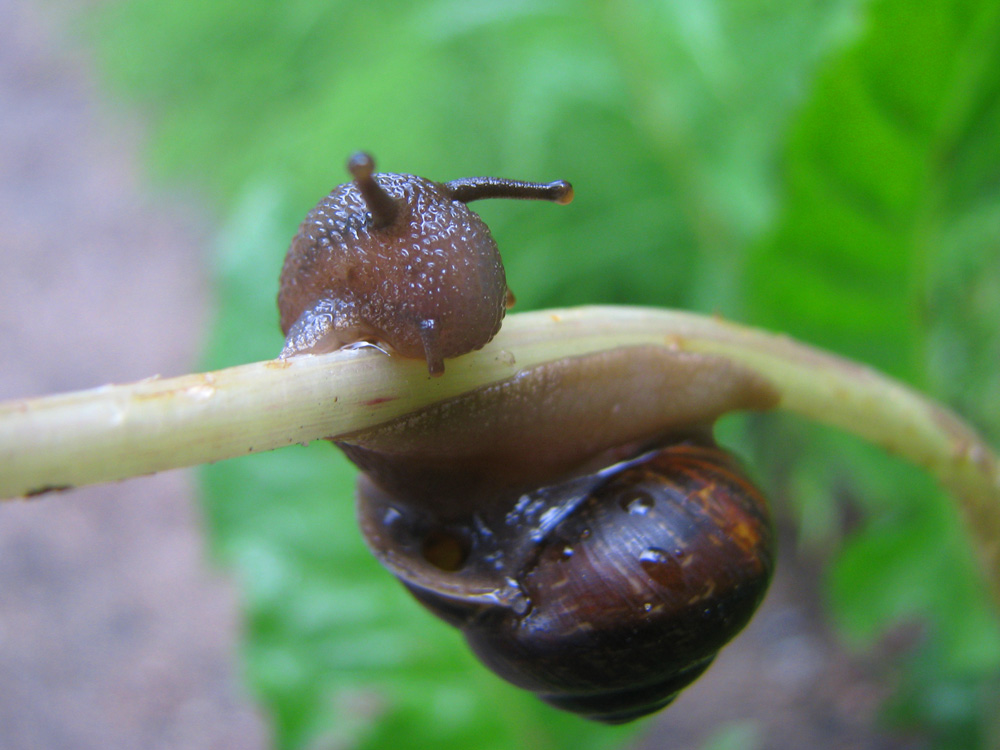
[115, 432]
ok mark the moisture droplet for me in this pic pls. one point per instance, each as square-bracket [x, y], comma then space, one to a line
[637, 502]
[567, 552]
[660, 566]
[654, 556]
[513, 596]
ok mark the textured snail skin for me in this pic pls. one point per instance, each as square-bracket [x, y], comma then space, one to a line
[402, 261]
[435, 276]
[577, 523]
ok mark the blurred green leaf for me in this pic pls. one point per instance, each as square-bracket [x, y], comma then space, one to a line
[888, 249]
[896, 149]
[948, 709]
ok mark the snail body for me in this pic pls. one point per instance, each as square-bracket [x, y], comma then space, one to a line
[593, 548]
[577, 522]
[400, 261]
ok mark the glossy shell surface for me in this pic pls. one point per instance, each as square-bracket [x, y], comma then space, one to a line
[612, 592]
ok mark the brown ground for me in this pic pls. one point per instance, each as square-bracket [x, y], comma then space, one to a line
[115, 632]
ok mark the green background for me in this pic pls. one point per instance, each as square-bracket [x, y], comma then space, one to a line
[830, 169]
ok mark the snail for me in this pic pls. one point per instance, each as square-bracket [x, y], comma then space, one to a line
[578, 523]
[401, 261]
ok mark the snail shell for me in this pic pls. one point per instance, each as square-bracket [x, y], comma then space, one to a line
[578, 524]
[402, 261]
[623, 586]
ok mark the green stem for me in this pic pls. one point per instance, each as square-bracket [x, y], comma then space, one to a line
[116, 432]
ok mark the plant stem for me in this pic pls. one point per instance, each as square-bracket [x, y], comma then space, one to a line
[118, 431]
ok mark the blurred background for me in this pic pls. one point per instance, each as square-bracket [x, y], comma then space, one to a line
[830, 169]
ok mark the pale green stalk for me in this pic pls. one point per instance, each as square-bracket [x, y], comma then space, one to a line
[120, 431]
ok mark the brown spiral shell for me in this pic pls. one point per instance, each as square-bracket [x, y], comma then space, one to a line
[613, 591]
